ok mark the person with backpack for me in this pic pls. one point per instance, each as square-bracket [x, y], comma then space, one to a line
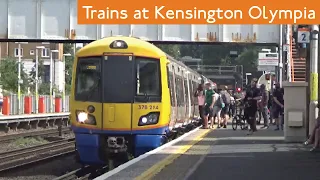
[209, 99]
[217, 106]
[226, 97]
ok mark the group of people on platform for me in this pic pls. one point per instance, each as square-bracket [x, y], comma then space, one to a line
[218, 105]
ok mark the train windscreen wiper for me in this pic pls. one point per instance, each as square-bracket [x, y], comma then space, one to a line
[146, 97]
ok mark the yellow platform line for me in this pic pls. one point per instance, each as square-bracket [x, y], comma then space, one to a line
[155, 169]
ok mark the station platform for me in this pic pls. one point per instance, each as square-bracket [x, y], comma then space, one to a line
[223, 154]
[33, 121]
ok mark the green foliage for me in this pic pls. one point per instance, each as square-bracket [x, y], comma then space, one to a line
[9, 75]
[68, 49]
[69, 63]
[171, 49]
[32, 79]
[44, 88]
[68, 89]
[219, 54]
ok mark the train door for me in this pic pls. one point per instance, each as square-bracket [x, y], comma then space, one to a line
[147, 95]
[172, 96]
[188, 96]
[176, 96]
[118, 88]
[184, 107]
[180, 96]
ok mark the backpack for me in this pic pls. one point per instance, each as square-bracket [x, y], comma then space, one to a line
[219, 102]
[226, 97]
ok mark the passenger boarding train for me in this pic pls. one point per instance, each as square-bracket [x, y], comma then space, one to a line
[128, 97]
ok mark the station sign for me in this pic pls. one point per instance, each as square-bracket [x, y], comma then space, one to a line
[303, 35]
[267, 68]
[268, 59]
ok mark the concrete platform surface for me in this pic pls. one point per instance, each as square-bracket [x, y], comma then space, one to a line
[227, 155]
[224, 154]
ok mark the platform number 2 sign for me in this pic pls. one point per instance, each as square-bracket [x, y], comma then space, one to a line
[303, 36]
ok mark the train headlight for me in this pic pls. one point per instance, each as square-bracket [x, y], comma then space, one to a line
[85, 118]
[149, 119]
[82, 117]
[118, 44]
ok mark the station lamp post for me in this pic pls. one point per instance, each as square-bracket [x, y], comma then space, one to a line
[247, 74]
[64, 82]
[37, 78]
[20, 81]
[51, 78]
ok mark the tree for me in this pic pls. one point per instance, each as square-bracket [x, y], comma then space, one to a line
[68, 49]
[171, 49]
[44, 88]
[41, 71]
[68, 64]
[249, 60]
[9, 75]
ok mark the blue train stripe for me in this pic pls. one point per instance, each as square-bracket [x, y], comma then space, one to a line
[161, 130]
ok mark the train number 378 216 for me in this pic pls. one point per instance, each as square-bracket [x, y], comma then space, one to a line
[150, 107]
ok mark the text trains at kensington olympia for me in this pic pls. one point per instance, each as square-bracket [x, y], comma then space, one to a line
[209, 16]
[130, 100]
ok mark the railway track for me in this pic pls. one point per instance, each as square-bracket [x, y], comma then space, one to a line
[31, 155]
[85, 173]
[10, 137]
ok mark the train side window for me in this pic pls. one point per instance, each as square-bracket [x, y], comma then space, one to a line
[177, 90]
[186, 91]
[191, 91]
[172, 95]
[195, 86]
[181, 95]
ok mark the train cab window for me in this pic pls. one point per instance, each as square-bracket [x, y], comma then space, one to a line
[148, 79]
[88, 79]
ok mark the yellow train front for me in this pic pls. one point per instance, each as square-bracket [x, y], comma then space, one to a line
[120, 99]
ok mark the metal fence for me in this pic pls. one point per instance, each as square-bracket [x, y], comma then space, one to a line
[14, 108]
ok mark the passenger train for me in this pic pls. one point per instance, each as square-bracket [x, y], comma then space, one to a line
[128, 97]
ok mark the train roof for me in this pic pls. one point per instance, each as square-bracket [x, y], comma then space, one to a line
[101, 46]
[182, 64]
[98, 47]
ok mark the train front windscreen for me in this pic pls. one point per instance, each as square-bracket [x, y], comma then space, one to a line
[118, 79]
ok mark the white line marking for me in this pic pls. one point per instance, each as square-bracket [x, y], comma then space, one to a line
[135, 160]
[196, 165]
[230, 156]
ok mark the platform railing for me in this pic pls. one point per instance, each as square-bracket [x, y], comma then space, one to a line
[13, 107]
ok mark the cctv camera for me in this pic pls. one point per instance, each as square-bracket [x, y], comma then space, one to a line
[315, 32]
